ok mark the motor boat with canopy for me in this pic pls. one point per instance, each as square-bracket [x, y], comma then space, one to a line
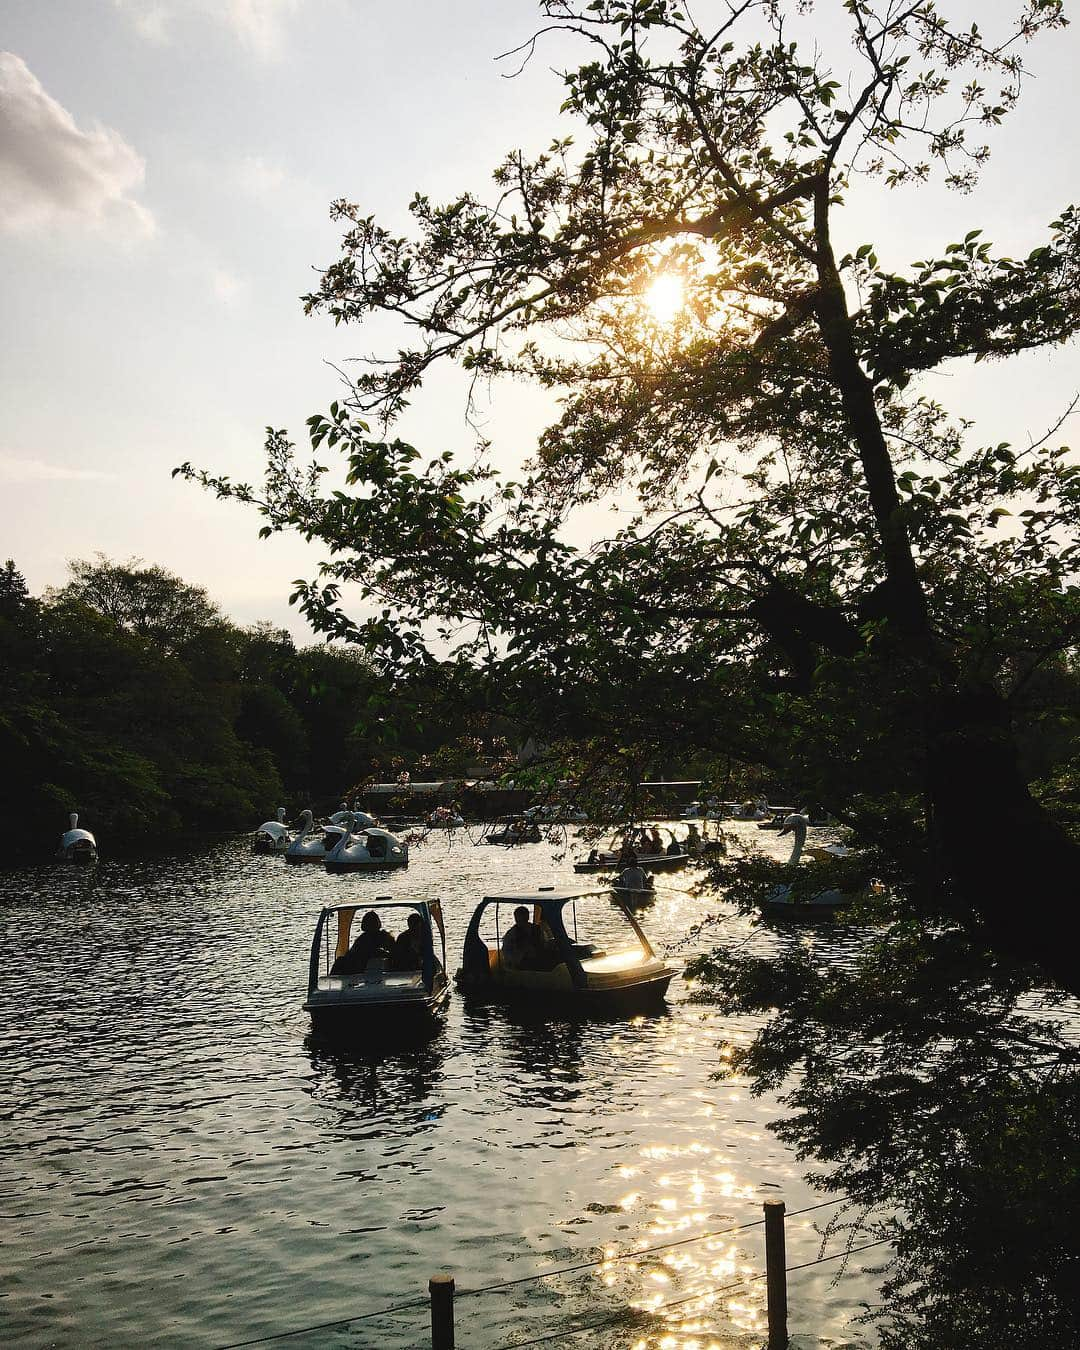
[272, 836]
[589, 954]
[367, 849]
[613, 858]
[78, 847]
[384, 996]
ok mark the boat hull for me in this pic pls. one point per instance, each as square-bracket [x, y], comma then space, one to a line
[807, 911]
[634, 898]
[365, 865]
[384, 1017]
[663, 862]
[610, 1000]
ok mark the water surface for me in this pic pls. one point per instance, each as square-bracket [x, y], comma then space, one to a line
[183, 1165]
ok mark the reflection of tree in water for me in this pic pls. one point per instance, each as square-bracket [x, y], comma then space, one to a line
[392, 1082]
[947, 1112]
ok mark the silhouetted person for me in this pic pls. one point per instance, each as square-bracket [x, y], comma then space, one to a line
[409, 945]
[373, 941]
[633, 878]
[525, 947]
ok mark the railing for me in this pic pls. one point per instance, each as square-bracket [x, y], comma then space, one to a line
[443, 1294]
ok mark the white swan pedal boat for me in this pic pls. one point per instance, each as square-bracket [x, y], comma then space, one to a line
[314, 843]
[610, 967]
[783, 903]
[381, 998]
[78, 847]
[272, 836]
[367, 849]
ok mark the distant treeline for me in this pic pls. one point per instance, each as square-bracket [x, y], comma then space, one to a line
[126, 695]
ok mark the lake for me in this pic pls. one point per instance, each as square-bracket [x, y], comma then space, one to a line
[183, 1165]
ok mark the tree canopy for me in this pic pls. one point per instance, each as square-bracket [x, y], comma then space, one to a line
[127, 696]
[826, 572]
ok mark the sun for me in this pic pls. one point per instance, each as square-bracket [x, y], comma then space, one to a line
[665, 297]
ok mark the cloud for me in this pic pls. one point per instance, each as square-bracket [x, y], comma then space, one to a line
[261, 177]
[227, 288]
[258, 25]
[16, 470]
[52, 172]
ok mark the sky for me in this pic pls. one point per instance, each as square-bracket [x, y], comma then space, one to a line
[166, 168]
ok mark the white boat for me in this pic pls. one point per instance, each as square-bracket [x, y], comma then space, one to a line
[380, 994]
[351, 816]
[314, 844]
[272, 836]
[748, 810]
[710, 810]
[77, 846]
[782, 902]
[367, 849]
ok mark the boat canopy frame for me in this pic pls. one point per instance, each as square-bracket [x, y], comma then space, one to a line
[429, 910]
[547, 908]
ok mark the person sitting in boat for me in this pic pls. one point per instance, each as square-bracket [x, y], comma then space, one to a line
[693, 840]
[656, 843]
[374, 940]
[633, 877]
[525, 946]
[408, 951]
[674, 847]
[594, 856]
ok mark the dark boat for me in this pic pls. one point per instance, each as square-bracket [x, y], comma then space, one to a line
[612, 858]
[648, 862]
[623, 975]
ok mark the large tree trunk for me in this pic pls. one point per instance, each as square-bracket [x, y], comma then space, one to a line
[999, 855]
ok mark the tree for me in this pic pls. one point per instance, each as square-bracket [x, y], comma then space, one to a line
[942, 1114]
[150, 601]
[15, 600]
[829, 584]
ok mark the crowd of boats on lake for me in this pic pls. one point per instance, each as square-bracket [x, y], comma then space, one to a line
[574, 948]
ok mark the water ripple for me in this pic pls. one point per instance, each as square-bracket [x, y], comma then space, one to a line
[183, 1164]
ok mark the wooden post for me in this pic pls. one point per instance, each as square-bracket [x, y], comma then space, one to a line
[441, 1289]
[776, 1274]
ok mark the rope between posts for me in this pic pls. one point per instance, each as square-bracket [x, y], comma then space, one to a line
[631, 1255]
[528, 1279]
[690, 1298]
[326, 1326]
